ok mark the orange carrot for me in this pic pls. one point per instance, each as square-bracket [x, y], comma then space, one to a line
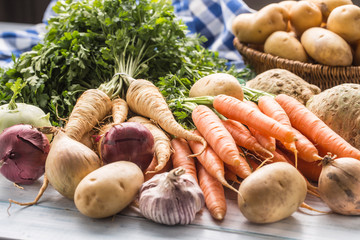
[271, 108]
[162, 143]
[211, 162]
[231, 176]
[145, 99]
[315, 129]
[180, 156]
[306, 149]
[211, 128]
[235, 109]
[214, 193]
[266, 141]
[244, 138]
[280, 156]
[310, 170]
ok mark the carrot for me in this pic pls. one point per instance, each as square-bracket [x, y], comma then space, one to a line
[211, 128]
[213, 164]
[235, 109]
[180, 156]
[162, 143]
[231, 176]
[306, 149]
[149, 171]
[214, 193]
[244, 138]
[271, 108]
[145, 99]
[266, 141]
[91, 107]
[315, 129]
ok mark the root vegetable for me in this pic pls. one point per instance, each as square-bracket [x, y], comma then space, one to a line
[272, 193]
[145, 99]
[325, 139]
[92, 106]
[339, 184]
[68, 162]
[277, 81]
[339, 108]
[326, 47]
[23, 151]
[109, 189]
[256, 27]
[345, 21]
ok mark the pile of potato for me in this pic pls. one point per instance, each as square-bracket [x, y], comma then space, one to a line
[314, 31]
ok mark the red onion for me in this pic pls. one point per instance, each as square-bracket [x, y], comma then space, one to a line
[23, 151]
[128, 141]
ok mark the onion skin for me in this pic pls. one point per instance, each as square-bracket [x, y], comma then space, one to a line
[23, 151]
[68, 162]
[339, 184]
[128, 141]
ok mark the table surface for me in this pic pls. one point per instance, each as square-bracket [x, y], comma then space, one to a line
[55, 217]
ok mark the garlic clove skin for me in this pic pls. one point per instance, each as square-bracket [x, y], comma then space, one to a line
[171, 198]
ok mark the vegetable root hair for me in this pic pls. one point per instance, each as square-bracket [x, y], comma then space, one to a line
[145, 99]
[92, 106]
[37, 198]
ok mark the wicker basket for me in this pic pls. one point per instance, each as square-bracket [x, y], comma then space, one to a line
[320, 75]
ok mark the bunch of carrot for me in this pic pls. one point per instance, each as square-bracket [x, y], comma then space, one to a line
[274, 129]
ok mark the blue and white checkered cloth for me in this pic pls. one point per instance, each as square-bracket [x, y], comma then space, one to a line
[210, 18]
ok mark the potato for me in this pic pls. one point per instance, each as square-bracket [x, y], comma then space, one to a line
[277, 81]
[339, 108]
[288, 4]
[256, 27]
[304, 15]
[326, 47]
[326, 6]
[272, 193]
[345, 21]
[215, 84]
[285, 45]
[109, 189]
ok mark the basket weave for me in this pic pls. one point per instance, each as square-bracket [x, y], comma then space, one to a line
[320, 75]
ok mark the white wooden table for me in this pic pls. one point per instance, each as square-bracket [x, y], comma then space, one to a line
[56, 217]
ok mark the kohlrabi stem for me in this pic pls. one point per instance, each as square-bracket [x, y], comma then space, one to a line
[16, 88]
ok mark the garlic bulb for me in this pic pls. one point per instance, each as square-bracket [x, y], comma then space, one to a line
[171, 198]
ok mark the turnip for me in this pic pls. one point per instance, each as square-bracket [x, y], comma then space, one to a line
[23, 151]
[339, 184]
[272, 193]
